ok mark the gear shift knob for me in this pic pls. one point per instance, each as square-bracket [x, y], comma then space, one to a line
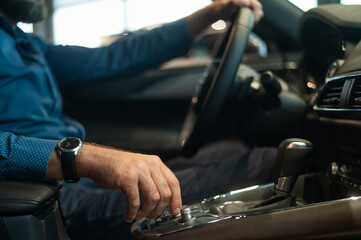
[292, 158]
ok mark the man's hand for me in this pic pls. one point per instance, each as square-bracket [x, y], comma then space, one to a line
[220, 9]
[224, 9]
[130, 173]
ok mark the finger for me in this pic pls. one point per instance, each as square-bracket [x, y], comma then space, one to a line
[242, 3]
[132, 196]
[175, 203]
[151, 194]
[164, 192]
[257, 9]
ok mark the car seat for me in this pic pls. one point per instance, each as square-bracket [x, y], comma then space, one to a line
[30, 211]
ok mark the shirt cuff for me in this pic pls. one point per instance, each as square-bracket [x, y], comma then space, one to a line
[29, 158]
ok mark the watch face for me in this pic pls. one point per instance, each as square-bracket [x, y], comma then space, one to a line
[69, 143]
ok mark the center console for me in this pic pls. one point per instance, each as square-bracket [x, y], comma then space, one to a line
[251, 213]
[281, 210]
[235, 204]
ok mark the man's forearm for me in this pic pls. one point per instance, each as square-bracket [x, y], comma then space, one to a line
[89, 157]
[128, 172]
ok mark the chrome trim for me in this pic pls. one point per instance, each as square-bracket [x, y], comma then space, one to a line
[173, 226]
[296, 145]
[285, 184]
[334, 169]
[316, 108]
[355, 74]
[258, 43]
[208, 200]
[335, 66]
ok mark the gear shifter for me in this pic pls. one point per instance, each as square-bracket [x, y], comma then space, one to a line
[292, 158]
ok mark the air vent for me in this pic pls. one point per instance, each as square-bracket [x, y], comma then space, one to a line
[331, 95]
[356, 95]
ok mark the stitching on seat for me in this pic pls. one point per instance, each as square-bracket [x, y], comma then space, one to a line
[17, 202]
[19, 197]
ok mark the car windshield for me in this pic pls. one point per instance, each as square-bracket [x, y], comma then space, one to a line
[100, 18]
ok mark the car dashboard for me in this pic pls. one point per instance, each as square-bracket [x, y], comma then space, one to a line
[338, 105]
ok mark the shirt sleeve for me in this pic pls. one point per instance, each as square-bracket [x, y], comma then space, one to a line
[130, 54]
[24, 158]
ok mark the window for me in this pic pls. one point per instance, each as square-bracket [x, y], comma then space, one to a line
[306, 5]
[28, 28]
[85, 22]
[350, 2]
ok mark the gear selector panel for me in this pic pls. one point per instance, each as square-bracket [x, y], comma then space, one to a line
[218, 208]
[191, 216]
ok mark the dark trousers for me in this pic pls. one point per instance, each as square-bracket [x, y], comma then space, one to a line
[92, 212]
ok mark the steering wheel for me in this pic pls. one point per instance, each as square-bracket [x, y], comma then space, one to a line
[216, 83]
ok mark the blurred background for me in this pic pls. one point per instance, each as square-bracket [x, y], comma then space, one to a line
[88, 22]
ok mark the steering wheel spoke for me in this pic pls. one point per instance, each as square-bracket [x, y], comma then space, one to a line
[216, 84]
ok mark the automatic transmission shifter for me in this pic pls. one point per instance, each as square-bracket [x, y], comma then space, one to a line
[292, 158]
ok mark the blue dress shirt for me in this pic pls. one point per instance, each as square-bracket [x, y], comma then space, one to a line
[32, 72]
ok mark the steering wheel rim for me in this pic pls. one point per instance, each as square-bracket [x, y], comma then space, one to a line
[213, 89]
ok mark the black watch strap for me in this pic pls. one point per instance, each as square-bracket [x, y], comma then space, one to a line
[68, 149]
[69, 167]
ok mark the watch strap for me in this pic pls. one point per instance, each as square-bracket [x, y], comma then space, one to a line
[68, 166]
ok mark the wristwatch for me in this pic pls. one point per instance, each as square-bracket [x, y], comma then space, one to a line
[68, 149]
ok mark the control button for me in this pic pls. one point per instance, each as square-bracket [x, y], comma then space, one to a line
[334, 168]
[270, 83]
[186, 215]
[343, 170]
[166, 214]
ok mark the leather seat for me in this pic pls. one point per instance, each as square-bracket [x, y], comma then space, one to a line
[30, 211]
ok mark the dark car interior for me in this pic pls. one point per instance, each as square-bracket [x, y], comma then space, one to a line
[113, 111]
[303, 96]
